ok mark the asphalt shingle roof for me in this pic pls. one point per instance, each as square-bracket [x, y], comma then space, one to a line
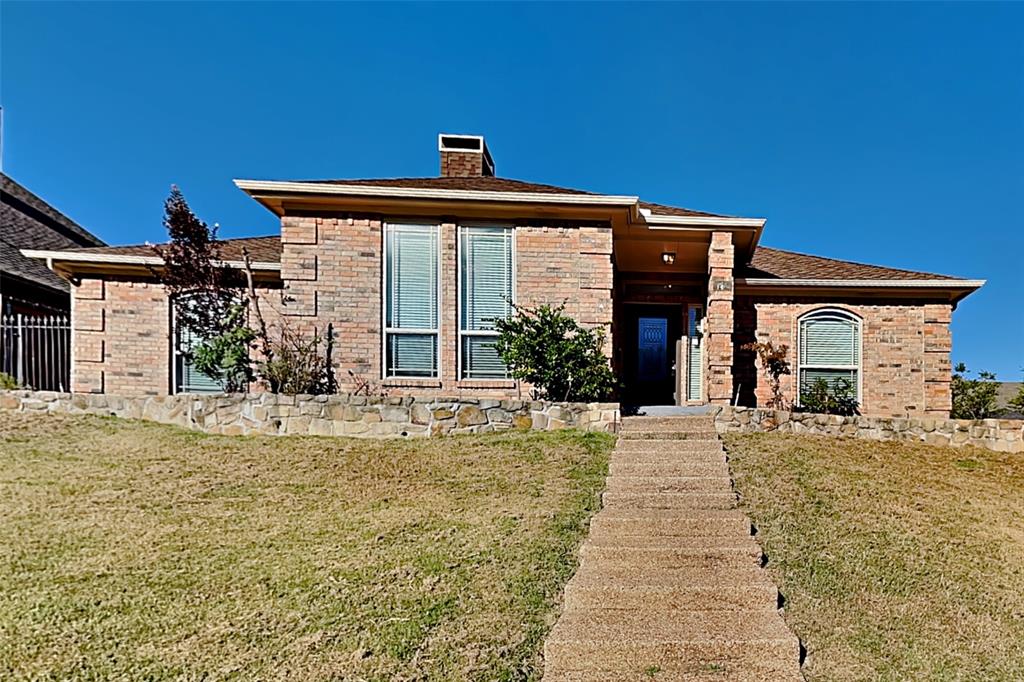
[778, 264]
[493, 184]
[28, 222]
[261, 249]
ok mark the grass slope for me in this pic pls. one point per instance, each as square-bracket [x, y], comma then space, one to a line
[898, 561]
[140, 551]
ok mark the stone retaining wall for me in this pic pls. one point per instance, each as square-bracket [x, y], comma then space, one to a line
[1000, 435]
[326, 415]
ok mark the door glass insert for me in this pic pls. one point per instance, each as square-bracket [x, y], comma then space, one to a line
[652, 358]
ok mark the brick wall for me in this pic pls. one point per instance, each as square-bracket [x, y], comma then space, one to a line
[719, 324]
[332, 269]
[462, 164]
[120, 338]
[905, 355]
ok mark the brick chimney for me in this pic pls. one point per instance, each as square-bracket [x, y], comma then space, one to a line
[464, 156]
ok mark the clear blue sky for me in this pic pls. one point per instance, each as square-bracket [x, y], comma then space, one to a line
[889, 134]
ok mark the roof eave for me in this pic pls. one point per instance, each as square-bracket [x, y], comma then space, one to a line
[54, 257]
[957, 289]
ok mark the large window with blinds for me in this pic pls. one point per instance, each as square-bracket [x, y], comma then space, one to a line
[411, 293]
[830, 349]
[188, 379]
[486, 293]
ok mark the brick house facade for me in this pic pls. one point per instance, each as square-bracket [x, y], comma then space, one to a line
[678, 293]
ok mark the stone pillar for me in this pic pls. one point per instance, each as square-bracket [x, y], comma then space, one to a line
[938, 343]
[718, 325]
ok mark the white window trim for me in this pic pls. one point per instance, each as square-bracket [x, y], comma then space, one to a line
[386, 330]
[459, 292]
[175, 351]
[859, 368]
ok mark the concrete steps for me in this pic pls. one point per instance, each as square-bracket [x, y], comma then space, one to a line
[684, 641]
[670, 500]
[621, 467]
[669, 484]
[670, 584]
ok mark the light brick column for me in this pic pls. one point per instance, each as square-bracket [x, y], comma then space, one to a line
[88, 320]
[938, 343]
[718, 325]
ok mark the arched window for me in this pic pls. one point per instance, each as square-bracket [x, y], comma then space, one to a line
[829, 349]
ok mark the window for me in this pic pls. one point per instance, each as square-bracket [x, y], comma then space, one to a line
[411, 301]
[187, 379]
[486, 293]
[829, 347]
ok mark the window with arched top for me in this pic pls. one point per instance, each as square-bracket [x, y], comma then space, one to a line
[829, 349]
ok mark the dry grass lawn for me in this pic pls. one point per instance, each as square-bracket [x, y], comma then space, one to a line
[139, 551]
[898, 561]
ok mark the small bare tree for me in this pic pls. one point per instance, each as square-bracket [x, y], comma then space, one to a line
[774, 364]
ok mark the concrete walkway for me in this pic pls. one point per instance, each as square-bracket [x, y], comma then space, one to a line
[670, 586]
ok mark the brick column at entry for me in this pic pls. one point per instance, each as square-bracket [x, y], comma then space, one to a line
[718, 326]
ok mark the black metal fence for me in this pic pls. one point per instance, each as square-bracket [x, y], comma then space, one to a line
[36, 350]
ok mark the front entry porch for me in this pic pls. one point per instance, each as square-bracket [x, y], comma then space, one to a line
[672, 327]
[661, 357]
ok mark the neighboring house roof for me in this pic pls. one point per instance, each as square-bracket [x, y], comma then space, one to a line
[495, 184]
[261, 249]
[31, 223]
[771, 263]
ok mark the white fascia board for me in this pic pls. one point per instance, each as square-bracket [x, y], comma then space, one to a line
[425, 193]
[126, 259]
[887, 283]
[669, 222]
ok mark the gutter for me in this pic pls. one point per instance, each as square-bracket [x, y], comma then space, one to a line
[886, 283]
[125, 259]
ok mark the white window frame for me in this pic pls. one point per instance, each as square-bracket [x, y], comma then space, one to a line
[459, 294]
[176, 387]
[859, 367]
[384, 301]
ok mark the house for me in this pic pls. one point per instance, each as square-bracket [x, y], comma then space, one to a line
[27, 222]
[409, 272]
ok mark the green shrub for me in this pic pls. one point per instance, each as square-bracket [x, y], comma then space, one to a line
[974, 398]
[562, 360]
[822, 397]
[7, 382]
[225, 357]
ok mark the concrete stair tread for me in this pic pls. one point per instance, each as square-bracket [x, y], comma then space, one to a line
[682, 626]
[655, 577]
[664, 434]
[669, 500]
[709, 674]
[661, 456]
[671, 514]
[683, 467]
[647, 541]
[665, 484]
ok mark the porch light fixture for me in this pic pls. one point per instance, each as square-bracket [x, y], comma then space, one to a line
[668, 257]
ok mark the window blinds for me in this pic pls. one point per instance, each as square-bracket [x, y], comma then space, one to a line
[486, 295]
[411, 314]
